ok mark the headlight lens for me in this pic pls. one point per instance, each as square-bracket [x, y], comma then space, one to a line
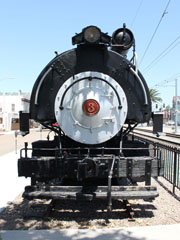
[92, 34]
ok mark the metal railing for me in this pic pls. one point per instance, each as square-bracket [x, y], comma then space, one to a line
[168, 156]
[169, 159]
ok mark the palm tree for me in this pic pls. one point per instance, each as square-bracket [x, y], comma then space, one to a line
[154, 95]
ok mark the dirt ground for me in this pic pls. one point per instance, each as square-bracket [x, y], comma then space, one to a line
[165, 209]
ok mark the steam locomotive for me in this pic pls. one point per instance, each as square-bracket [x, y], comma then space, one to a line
[91, 97]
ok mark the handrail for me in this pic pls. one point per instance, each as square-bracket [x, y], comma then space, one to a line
[90, 79]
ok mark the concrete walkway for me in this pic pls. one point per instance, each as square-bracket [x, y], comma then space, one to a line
[165, 232]
[10, 184]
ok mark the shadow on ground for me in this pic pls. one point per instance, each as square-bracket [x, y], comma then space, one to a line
[31, 215]
[73, 234]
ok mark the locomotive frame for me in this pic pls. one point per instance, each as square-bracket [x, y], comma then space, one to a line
[91, 92]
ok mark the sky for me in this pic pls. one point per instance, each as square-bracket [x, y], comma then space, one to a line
[31, 30]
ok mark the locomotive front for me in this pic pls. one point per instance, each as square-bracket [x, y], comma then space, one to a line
[85, 96]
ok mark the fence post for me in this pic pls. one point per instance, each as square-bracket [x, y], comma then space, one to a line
[15, 135]
[175, 170]
[156, 150]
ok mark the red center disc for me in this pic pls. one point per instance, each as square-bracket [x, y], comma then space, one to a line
[90, 107]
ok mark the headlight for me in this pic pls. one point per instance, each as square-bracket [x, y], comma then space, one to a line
[123, 37]
[92, 34]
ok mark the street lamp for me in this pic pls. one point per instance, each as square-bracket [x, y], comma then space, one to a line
[176, 100]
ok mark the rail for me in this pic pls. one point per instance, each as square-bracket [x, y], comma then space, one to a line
[79, 151]
[168, 134]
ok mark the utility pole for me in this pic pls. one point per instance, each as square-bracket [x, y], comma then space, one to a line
[176, 110]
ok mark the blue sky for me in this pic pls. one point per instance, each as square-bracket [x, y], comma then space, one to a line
[31, 30]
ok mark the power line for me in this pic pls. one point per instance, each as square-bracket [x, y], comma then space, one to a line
[137, 11]
[162, 54]
[6, 78]
[164, 12]
[165, 81]
[166, 53]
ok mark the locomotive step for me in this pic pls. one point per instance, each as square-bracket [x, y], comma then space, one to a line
[76, 193]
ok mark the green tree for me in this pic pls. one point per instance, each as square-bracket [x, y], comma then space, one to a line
[168, 107]
[154, 95]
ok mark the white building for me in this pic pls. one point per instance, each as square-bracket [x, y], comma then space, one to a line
[10, 105]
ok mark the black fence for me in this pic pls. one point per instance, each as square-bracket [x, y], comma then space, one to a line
[169, 159]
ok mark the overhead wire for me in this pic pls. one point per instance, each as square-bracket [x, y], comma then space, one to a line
[163, 14]
[162, 54]
[137, 11]
[165, 81]
[6, 78]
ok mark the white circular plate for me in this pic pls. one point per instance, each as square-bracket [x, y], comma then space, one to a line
[74, 121]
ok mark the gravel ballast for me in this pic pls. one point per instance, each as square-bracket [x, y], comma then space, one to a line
[165, 209]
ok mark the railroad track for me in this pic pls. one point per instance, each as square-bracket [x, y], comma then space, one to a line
[157, 137]
[174, 135]
[48, 208]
